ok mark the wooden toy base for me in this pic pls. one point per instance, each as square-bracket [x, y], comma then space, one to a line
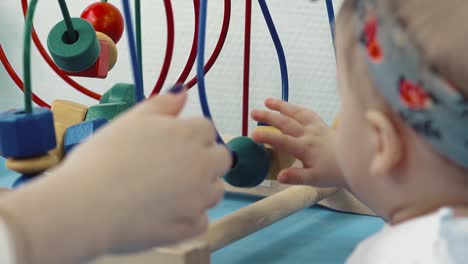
[231, 228]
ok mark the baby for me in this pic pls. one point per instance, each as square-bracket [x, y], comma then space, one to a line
[401, 145]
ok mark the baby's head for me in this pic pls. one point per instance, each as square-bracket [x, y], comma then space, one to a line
[390, 166]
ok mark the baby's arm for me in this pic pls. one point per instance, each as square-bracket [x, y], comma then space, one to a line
[306, 137]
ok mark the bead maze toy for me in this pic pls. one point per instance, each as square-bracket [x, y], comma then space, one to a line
[86, 47]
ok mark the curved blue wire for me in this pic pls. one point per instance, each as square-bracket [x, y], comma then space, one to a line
[137, 75]
[201, 63]
[331, 18]
[279, 49]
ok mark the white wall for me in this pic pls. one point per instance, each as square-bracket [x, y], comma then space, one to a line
[302, 25]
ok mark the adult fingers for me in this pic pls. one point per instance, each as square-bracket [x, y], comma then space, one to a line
[168, 104]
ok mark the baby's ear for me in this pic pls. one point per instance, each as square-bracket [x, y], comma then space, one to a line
[386, 143]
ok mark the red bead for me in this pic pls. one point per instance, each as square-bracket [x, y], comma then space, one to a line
[105, 18]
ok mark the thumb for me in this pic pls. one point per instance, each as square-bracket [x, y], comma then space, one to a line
[168, 104]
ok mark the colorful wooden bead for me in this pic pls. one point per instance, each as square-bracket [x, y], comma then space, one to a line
[78, 133]
[78, 55]
[105, 18]
[25, 135]
[66, 114]
[278, 160]
[112, 48]
[106, 111]
[32, 165]
[100, 69]
[120, 93]
[252, 163]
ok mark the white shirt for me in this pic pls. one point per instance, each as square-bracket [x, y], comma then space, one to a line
[434, 238]
[6, 248]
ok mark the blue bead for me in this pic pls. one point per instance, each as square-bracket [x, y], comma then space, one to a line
[78, 133]
[24, 135]
[24, 179]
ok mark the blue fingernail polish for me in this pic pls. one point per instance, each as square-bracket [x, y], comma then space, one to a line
[262, 124]
[176, 89]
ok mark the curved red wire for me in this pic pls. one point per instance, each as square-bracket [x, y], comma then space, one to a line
[14, 76]
[60, 73]
[219, 44]
[193, 52]
[246, 80]
[169, 48]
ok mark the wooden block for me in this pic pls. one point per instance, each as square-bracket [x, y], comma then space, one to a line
[106, 111]
[120, 93]
[76, 134]
[24, 135]
[252, 163]
[112, 48]
[33, 165]
[278, 160]
[66, 114]
[100, 68]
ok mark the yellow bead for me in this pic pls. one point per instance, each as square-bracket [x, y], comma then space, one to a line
[112, 48]
[32, 165]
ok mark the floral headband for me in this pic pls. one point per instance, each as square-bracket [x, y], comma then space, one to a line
[430, 104]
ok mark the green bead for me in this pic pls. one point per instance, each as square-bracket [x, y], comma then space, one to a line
[107, 111]
[252, 165]
[120, 93]
[79, 55]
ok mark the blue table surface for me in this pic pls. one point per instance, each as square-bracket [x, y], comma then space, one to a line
[314, 235]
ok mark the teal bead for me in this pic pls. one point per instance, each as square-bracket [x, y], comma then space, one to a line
[106, 111]
[252, 163]
[120, 93]
[74, 56]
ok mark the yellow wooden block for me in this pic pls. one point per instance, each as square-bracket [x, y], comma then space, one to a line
[34, 165]
[278, 160]
[112, 48]
[66, 114]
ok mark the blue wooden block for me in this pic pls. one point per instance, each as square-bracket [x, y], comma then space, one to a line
[107, 111]
[78, 133]
[24, 135]
[24, 179]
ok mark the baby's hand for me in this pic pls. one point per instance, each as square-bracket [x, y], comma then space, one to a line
[306, 137]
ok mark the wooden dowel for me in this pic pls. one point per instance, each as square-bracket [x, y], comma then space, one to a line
[261, 214]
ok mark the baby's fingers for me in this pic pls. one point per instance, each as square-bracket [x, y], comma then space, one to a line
[285, 124]
[306, 176]
[300, 114]
[281, 142]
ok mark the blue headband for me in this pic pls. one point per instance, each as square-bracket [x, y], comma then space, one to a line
[430, 104]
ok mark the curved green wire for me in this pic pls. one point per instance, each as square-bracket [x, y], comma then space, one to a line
[27, 57]
[68, 21]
